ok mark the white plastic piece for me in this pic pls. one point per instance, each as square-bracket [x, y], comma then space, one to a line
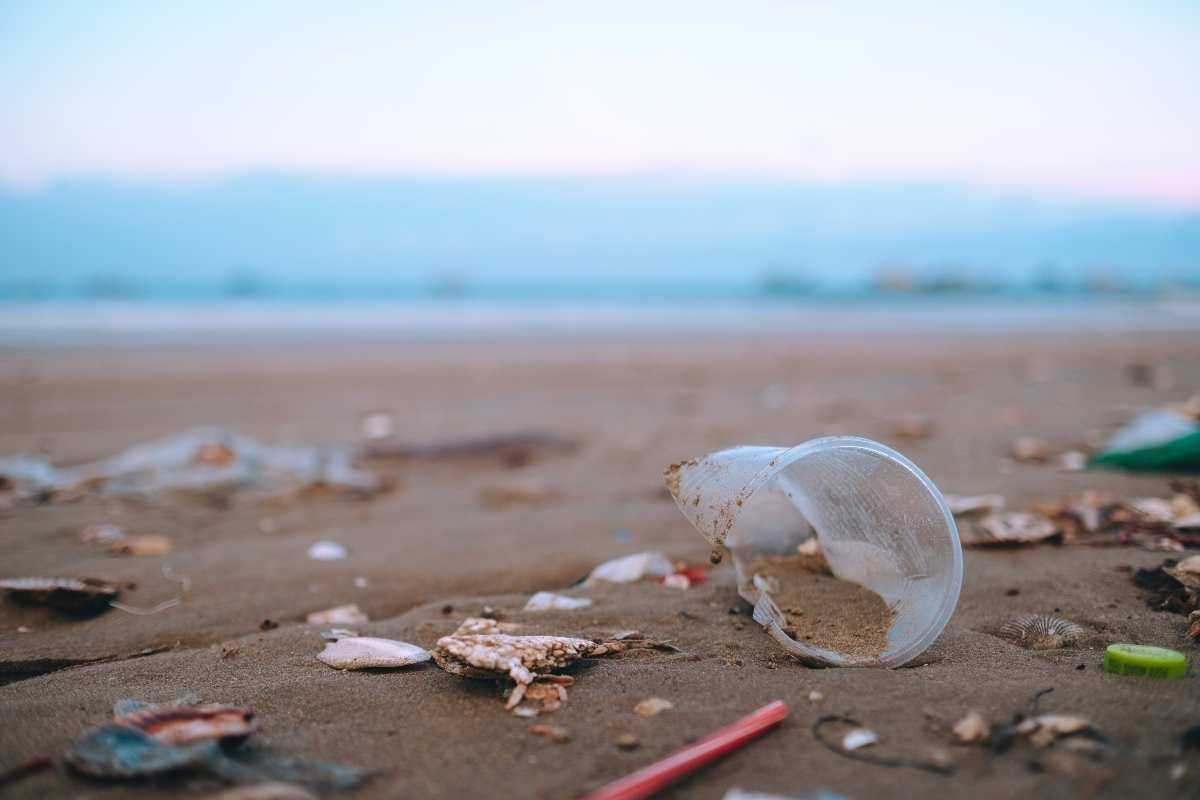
[879, 520]
[628, 569]
[549, 601]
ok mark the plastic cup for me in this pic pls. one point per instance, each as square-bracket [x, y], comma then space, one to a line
[879, 521]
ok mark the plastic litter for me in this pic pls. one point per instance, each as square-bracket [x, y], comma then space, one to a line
[549, 601]
[1158, 440]
[880, 522]
[628, 569]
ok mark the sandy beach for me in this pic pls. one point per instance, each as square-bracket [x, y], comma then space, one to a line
[429, 553]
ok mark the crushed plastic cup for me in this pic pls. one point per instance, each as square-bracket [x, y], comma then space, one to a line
[879, 521]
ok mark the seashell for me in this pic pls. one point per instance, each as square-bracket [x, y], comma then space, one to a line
[859, 738]
[651, 706]
[119, 751]
[628, 569]
[1043, 730]
[349, 614]
[77, 595]
[183, 724]
[333, 634]
[1042, 632]
[1031, 449]
[972, 728]
[552, 732]
[547, 601]
[377, 425]
[1006, 528]
[1155, 509]
[365, 652]
[327, 551]
[270, 790]
[1187, 572]
[961, 505]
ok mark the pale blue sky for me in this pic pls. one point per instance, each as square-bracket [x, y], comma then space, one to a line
[1082, 97]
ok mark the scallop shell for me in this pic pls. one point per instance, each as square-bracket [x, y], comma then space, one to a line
[179, 724]
[367, 652]
[1042, 632]
[66, 594]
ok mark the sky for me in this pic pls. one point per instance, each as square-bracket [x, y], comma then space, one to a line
[1082, 98]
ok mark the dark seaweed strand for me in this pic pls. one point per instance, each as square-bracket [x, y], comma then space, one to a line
[882, 761]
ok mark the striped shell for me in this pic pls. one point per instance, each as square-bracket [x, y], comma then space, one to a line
[66, 594]
[1042, 632]
[179, 725]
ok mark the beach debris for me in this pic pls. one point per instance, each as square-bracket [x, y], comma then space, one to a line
[1032, 450]
[326, 550]
[1009, 528]
[1042, 632]
[512, 449]
[549, 601]
[1165, 591]
[630, 568]
[1157, 440]
[1145, 660]
[677, 581]
[1072, 461]
[30, 766]
[361, 582]
[113, 539]
[479, 649]
[268, 790]
[809, 548]
[1046, 729]
[859, 737]
[71, 595]
[1193, 629]
[513, 493]
[554, 733]
[369, 652]
[333, 634]
[199, 461]
[937, 767]
[652, 706]
[181, 724]
[967, 505]
[349, 614]
[377, 425]
[912, 427]
[650, 780]
[1187, 572]
[628, 741]
[816, 696]
[121, 751]
[972, 729]
[547, 693]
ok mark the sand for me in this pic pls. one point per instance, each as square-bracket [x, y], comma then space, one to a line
[431, 555]
[822, 610]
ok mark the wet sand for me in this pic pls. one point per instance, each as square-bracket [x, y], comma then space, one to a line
[636, 406]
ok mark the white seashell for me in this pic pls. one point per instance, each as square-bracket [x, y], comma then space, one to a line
[1154, 508]
[339, 615]
[858, 738]
[627, 569]
[327, 551]
[651, 706]
[972, 728]
[547, 601]
[333, 634]
[1042, 632]
[364, 652]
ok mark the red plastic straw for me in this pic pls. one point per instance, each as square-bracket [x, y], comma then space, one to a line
[654, 778]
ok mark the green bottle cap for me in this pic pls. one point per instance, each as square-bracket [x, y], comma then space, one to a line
[1142, 659]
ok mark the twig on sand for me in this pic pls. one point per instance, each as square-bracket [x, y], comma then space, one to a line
[858, 755]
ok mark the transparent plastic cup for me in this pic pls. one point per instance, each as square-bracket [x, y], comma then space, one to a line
[879, 521]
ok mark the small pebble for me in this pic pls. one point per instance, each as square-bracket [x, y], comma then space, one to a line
[627, 741]
[268, 625]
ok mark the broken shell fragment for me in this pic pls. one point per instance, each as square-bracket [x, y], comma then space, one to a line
[1187, 572]
[182, 724]
[119, 751]
[349, 614]
[1044, 730]
[1031, 449]
[367, 652]
[552, 732]
[972, 728]
[964, 505]
[1042, 632]
[859, 738]
[327, 551]
[651, 706]
[270, 790]
[74, 595]
[548, 601]
[1008, 528]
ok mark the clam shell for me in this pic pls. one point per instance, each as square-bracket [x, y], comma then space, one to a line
[178, 725]
[1042, 632]
[367, 652]
[66, 594]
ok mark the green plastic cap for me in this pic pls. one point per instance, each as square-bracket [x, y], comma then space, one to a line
[1143, 659]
